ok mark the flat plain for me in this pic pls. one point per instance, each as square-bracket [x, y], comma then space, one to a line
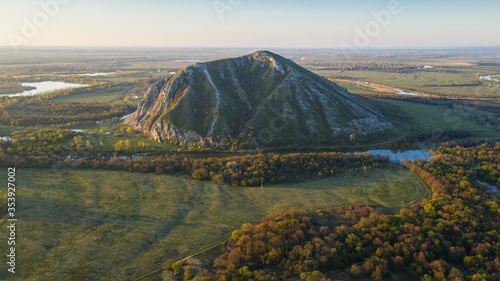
[107, 225]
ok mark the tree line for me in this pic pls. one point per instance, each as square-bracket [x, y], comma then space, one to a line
[48, 147]
[453, 235]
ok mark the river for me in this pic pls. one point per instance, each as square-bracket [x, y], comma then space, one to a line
[380, 88]
[489, 187]
[490, 77]
[396, 157]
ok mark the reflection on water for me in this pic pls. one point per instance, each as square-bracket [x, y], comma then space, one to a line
[493, 188]
[126, 116]
[44, 87]
[490, 77]
[405, 155]
[94, 74]
[401, 92]
[489, 187]
[64, 75]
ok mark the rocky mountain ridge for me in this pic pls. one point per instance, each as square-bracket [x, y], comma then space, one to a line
[261, 99]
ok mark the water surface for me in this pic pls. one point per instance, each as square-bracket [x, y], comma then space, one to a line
[490, 77]
[396, 157]
[44, 87]
[401, 92]
[489, 187]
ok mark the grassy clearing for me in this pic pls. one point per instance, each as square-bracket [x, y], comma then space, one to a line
[355, 88]
[5, 131]
[103, 225]
[434, 117]
[111, 133]
[98, 96]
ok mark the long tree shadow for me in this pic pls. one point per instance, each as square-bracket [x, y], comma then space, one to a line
[58, 211]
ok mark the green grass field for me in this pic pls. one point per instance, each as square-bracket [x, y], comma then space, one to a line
[434, 117]
[99, 96]
[5, 131]
[111, 133]
[425, 81]
[102, 225]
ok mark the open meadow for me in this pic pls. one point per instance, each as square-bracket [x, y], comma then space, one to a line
[86, 224]
[431, 118]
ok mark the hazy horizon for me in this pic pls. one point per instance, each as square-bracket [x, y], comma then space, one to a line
[319, 24]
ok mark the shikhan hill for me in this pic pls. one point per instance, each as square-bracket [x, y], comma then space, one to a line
[252, 168]
[247, 98]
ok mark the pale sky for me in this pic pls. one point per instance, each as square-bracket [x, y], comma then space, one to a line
[250, 23]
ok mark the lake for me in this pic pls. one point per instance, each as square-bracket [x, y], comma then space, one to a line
[44, 87]
[403, 155]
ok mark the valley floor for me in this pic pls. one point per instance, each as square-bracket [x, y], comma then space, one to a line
[105, 225]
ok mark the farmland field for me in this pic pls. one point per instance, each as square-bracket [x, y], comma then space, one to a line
[425, 81]
[77, 224]
[100, 97]
[435, 117]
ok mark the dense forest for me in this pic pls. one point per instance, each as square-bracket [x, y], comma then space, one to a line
[453, 235]
[411, 141]
[253, 170]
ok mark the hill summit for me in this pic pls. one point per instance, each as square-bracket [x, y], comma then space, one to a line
[257, 99]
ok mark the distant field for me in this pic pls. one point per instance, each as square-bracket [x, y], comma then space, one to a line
[99, 96]
[431, 117]
[110, 134]
[449, 67]
[425, 81]
[355, 88]
[100, 225]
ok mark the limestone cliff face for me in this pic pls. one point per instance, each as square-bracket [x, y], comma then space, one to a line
[261, 98]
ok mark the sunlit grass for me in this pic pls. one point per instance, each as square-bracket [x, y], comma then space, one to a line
[115, 225]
